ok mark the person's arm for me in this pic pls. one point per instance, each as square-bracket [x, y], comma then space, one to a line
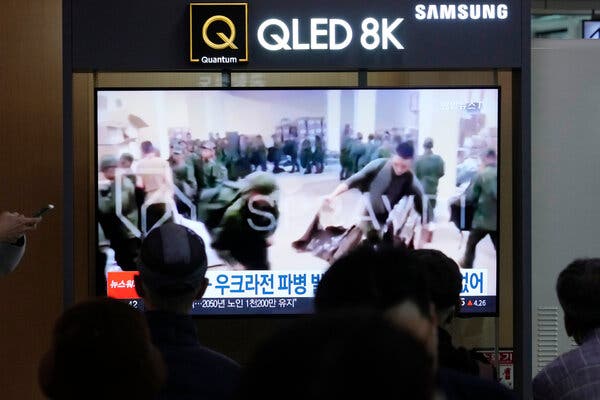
[13, 227]
[10, 255]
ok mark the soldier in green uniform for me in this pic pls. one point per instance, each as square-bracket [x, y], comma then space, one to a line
[119, 233]
[429, 168]
[249, 220]
[183, 178]
[318, 156]
[257, 153]
[345, 160]
[357, 150]
[290, 148]
[306, 155]
[483, 194]
[212, 175]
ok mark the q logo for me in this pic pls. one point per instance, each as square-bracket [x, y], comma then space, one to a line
[227, 41]
[218, 33]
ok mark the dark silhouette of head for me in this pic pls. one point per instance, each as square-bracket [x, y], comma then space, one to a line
[444, 280]
[101, 349]
[578, 290]
[339, 356]
[375, 278]
[172, 266]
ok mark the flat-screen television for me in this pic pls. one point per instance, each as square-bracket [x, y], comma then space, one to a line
[590, 29]
[279, 182]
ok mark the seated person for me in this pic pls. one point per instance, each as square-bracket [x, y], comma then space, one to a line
[100, 350]
[339, 356]
[172, 267]
[576, 374]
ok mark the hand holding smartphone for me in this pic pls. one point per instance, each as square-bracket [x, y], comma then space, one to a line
[43, 210]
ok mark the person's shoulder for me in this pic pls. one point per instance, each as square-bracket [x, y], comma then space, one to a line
[458, 385]
[219, 358]
[558, 369]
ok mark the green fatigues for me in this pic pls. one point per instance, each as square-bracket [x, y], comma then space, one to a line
[345, 160]
[212, 176]
[122, 240]
[318, 157]
[306, 155]
[429, 168]
[357, 150]
[235, 237]
[483, 193]
[185, 181]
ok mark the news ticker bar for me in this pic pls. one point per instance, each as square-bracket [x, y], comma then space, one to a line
[295, 305]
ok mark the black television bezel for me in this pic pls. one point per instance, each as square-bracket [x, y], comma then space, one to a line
[460, 313]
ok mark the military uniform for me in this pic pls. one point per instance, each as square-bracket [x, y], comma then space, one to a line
[185, 181]
[357, 150]
[306, 156]
[429, 168]
[243, 230]
[122, 240]
[318, 156]
[345, 160]
[483, 194]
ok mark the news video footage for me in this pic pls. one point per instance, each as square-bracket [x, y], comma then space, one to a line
[280, 182]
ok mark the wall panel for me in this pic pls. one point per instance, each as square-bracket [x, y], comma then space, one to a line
[31, 175]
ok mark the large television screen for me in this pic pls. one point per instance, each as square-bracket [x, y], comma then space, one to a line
[281, 182]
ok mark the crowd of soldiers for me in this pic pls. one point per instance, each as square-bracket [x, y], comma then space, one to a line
[196, 185]
[355, 153]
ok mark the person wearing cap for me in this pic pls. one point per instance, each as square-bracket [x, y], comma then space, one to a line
[172, 270]
[122, 240]
[212, 173]
[390, 179]
[243, 235]
[429, 168]
[483, 194]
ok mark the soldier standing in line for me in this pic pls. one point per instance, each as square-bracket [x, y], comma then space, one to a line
[318, 156]
[483, 194]
[306, 155]
[429, 168]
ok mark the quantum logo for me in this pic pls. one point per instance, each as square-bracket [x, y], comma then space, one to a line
[219, 33]
[227, 40]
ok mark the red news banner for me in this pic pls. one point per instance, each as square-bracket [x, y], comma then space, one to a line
[121, 285]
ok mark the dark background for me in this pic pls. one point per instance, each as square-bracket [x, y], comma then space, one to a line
[153, 35]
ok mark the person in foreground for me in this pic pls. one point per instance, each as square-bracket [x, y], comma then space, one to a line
[445, 284]
[347, 355]
[100, 350]
[576, 374]
[13, 227]
[172, 267]
[392, 281]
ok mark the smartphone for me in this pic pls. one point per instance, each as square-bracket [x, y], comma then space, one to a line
[43, 210]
